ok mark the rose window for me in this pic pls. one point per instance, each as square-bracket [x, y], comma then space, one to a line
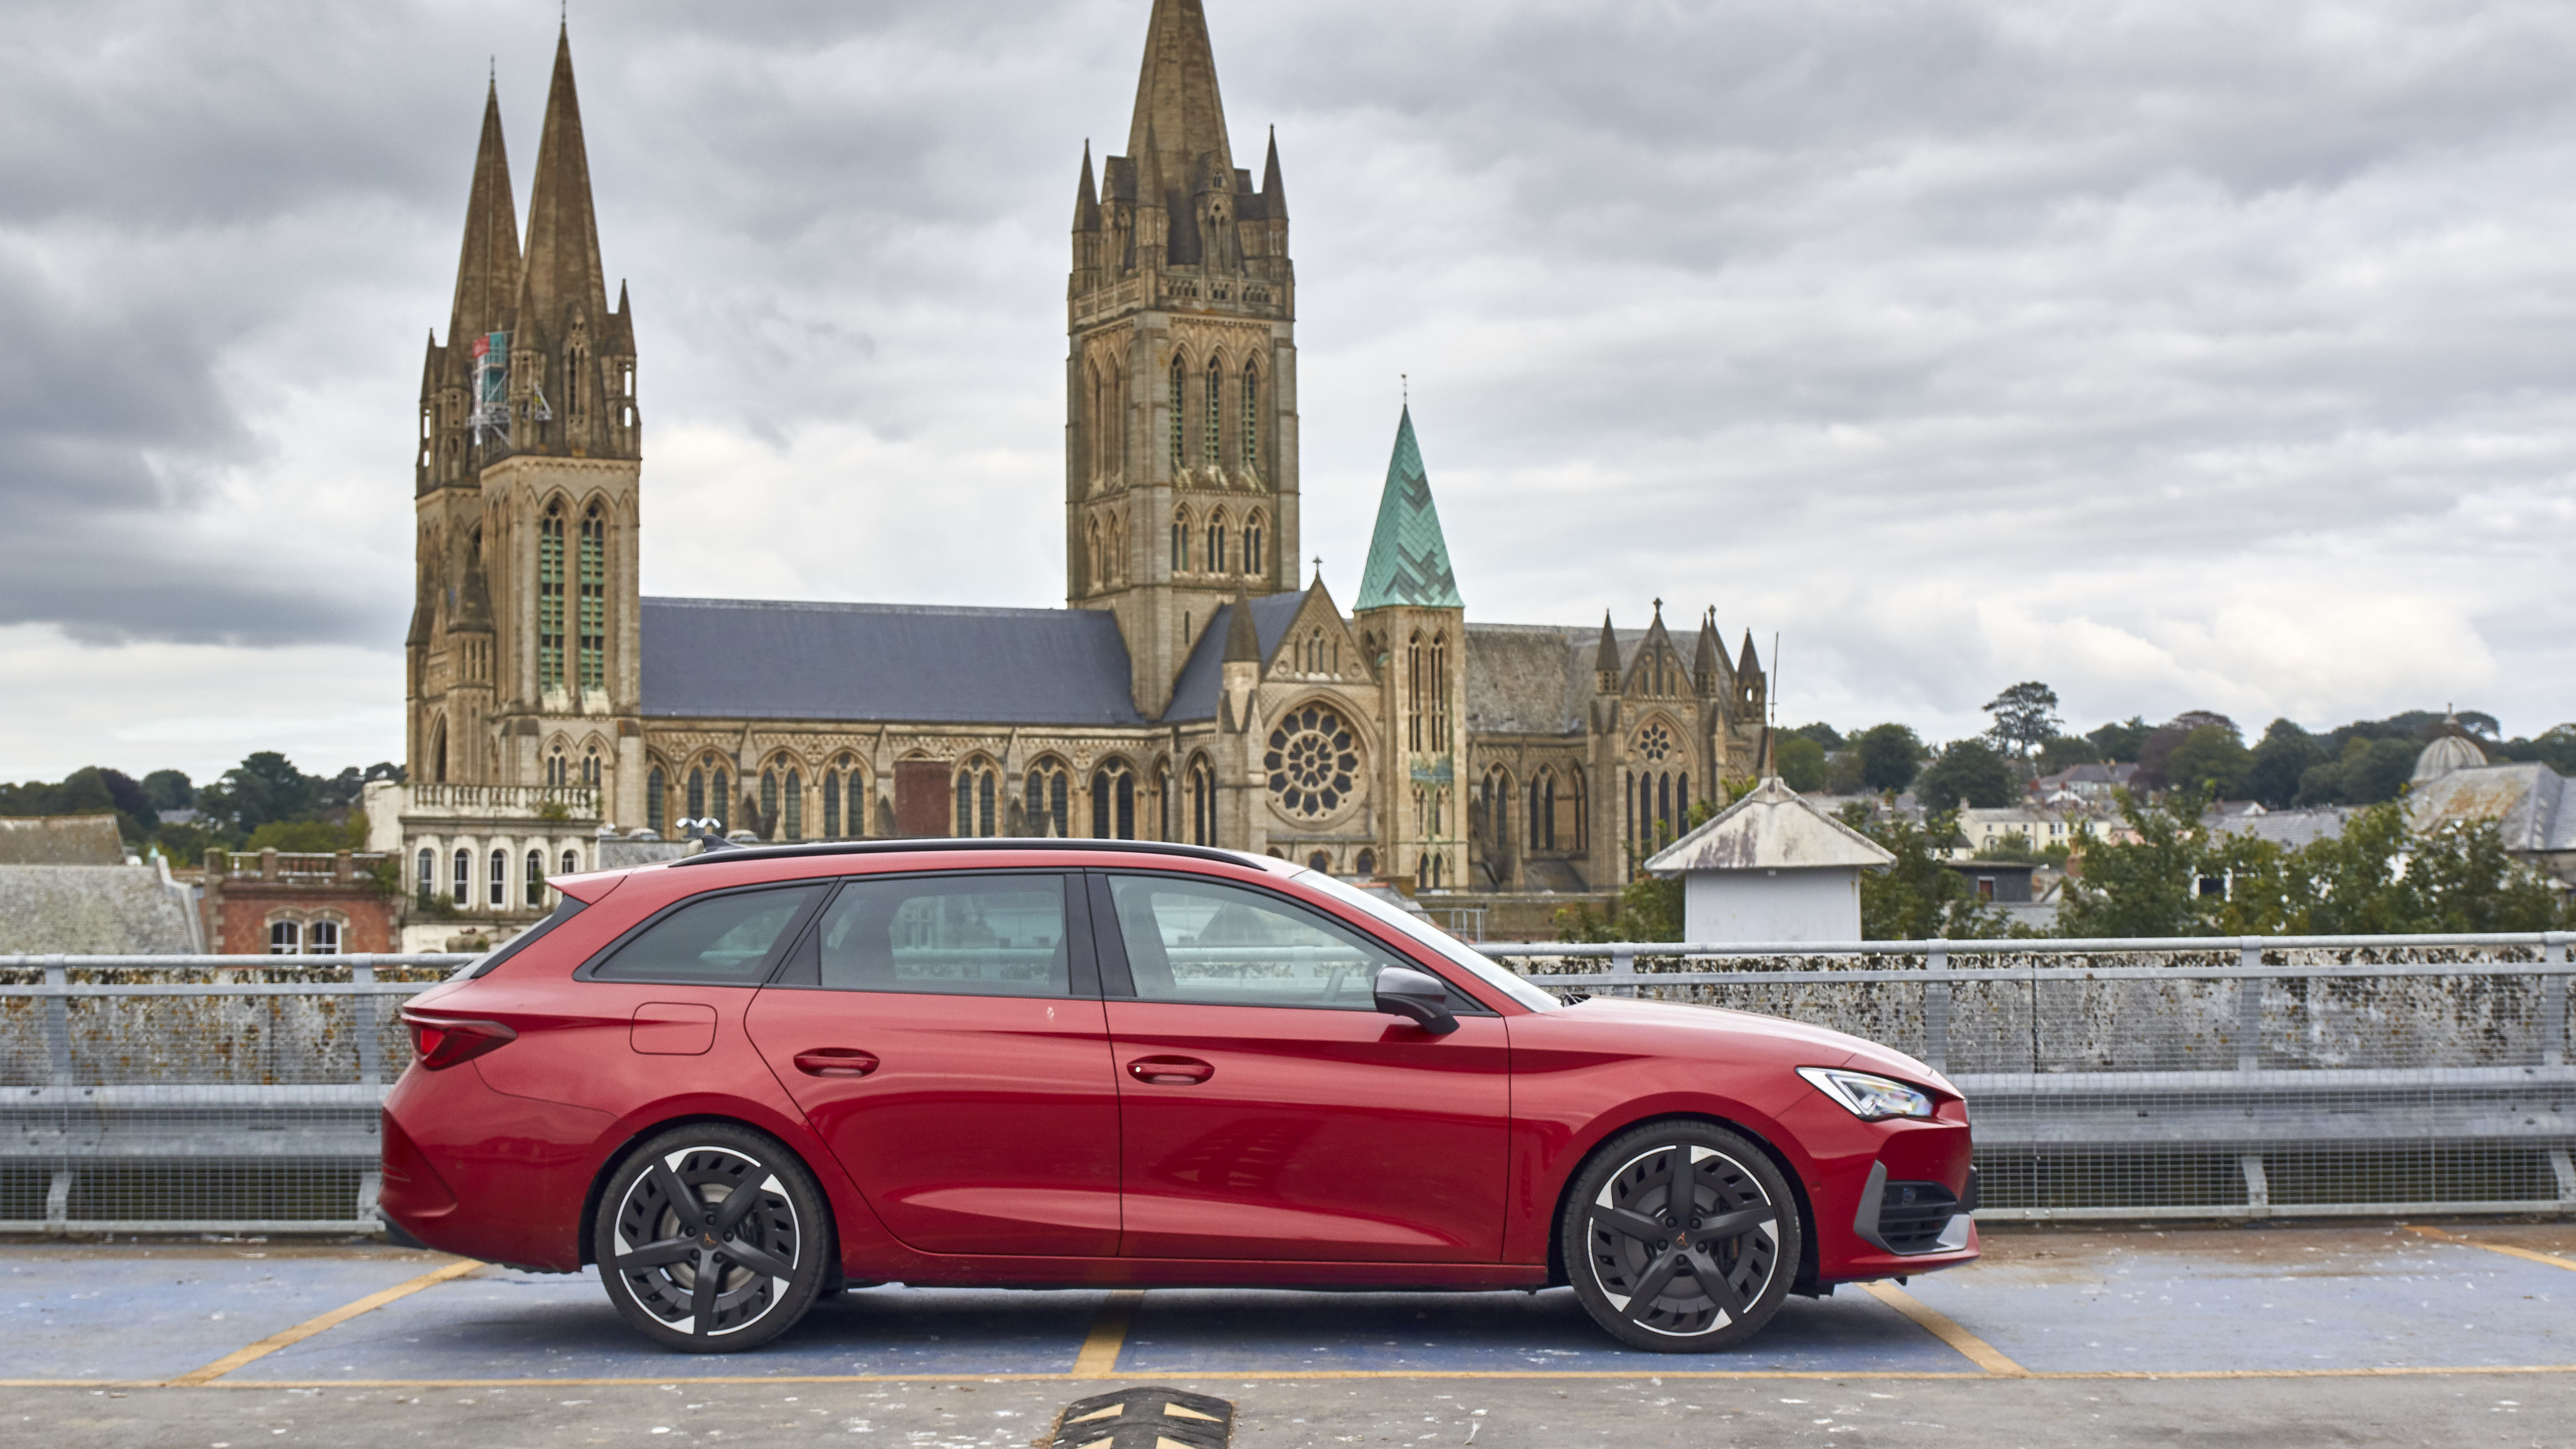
[1312, 761]
[1655, 742]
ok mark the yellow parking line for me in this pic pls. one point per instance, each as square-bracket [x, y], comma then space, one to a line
[2552, 1259]
[312, 1326]
[1099, 1356]
[1940, 1325]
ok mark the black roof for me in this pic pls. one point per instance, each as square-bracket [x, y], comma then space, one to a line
[898, 663]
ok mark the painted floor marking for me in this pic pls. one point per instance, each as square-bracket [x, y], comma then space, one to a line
[1941, 1326]
[2552, 1259]
[1099, 1356]
[311, 1326]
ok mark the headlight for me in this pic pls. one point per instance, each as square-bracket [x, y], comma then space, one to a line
[1870, 1098]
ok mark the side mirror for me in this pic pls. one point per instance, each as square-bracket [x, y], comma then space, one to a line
[1418, 996]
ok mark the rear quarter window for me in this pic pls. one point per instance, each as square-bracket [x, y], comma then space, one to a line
[729, 939]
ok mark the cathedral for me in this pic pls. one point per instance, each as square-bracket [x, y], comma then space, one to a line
[1191, 689]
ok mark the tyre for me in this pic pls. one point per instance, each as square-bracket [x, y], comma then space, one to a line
[1680, 1237]
[713, 1238]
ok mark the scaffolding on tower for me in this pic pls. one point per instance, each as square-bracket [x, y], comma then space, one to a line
[491, 415]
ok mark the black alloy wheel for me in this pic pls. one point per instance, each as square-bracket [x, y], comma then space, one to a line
[712, 1238]
[1680, 1237]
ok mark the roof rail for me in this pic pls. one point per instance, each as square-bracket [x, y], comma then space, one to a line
[955, 843]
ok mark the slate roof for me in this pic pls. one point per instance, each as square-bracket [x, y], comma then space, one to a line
[2289, 829]
[91, 910]
[60, 840]
[1194, 695]
[1534, 678]
[2527, 800]
[1408, 558]
[895, 663]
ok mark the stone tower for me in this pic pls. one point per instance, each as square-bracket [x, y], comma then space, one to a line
[1412, 626]
[1181, 378]
[527, 648]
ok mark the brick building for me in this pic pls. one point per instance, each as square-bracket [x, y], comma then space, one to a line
[279, 903]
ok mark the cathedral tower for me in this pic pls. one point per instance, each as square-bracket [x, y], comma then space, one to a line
[1181, 380]
[1413, 624]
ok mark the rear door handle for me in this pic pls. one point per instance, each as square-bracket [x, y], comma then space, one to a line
[1170, 1071]
[836, 1062]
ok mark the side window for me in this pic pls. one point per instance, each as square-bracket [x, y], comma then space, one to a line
[983, 935]
[722, 940]
[1221, 945]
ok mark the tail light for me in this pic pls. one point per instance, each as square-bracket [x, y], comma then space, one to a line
[442, 1043]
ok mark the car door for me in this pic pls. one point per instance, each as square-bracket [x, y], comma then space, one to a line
[1267, 1110]
[944, 1034]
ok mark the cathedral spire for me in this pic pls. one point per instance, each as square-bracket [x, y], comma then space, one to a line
[1086, 200]
[563, 271]
[487, 269]
[1408, 558]
[1274, 193]
[1708, 662]
[1177, 106]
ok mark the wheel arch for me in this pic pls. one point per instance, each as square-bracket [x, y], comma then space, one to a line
[1558, 1271]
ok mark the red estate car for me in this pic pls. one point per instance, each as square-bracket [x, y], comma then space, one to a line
[743, 1079]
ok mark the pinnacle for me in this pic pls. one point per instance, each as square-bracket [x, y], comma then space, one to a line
[562, 262]
[1178, 109]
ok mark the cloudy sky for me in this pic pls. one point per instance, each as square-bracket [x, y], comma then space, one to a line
[2182, 354]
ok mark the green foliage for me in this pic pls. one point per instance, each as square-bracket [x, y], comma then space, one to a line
[2285, 753]
[1918, 898]
[2369, 771]
[265, 786]
[1890, 754]
[169, 790]
[2015, 848]
[319, 837]
[1969, 770]
[1802, 763]
[2554, 747]
[2025, 717]
[2062, 752]
[2164, 739]
[2210, 760]
[2120, 743]
[2141, 887]
[1842, 772]
[92, 791]
[1823, 734]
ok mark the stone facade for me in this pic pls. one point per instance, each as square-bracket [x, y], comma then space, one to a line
[1191, 690]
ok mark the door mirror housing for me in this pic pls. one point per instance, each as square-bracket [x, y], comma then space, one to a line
[1417, 996]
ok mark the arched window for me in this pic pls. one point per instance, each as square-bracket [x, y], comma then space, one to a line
[1320, 863]
[1681, 802]
[594, 602]
[1202, 803]
[1179, 433]
[1439, 693]
[322, 938]
[1048, 799]
[724, 802]
[767, 824]
[979, 791]
[1180, 540]
[1664, 804]
[831, 804]
[461, 877]
[571, 862]
[536, 877]
[1163, 800]
[1252, 544]
[697, 795]
[1582, 831]
[657, 811]
[795, 805]
[590, 767]
[555, 767]
[1364, 863]
[438, 752]
[1113, 802]
[1216, 542]
[1099, 575]
[285, 938]
[550, 598]
[1498, 809]
[424, 875]
[1249, 424]
[500, 893]
[1416, 672]
[1215, 420]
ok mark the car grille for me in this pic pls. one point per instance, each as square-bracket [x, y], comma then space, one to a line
[1912, 1214]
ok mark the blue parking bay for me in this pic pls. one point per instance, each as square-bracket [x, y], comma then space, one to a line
[504, 1324]
[157, 1313]
[2398, 1304]
[1195, 1332]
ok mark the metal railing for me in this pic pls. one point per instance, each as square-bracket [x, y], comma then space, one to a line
[2208, 1077]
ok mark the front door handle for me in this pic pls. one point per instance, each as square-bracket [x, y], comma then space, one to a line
[836, 1062]
[1170, 1071]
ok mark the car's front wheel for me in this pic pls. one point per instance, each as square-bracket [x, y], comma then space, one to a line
[712, 1238]
[1680, 1237]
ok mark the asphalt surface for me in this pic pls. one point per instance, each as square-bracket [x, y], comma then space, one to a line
[2384, 1334]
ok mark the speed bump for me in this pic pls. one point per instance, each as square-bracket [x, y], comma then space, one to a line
[1146, 1418]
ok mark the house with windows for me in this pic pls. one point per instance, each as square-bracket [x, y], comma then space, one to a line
[1194, 687]
[293, 903]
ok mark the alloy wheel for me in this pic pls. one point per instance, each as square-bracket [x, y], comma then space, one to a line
[708, 1242]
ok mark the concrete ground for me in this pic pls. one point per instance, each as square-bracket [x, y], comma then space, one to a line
[2271, 1336]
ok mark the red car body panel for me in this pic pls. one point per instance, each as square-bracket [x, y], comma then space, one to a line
[1032, 1140]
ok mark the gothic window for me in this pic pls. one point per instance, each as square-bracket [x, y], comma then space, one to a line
[500, 895]
[1681, 801]
[1498, 809]
[1163, 800]
[322, 938]
[657, 811]
[438, 752]
[285, 938]
[1320, 863]
[1252, 544]
[461, 878]
[1179, 433]
[978, 791]
[550, 599]
[555, 767]
[1214, 422]
[1250, 426]
[536, 865]
[1113, 802]
[1655, 742]
[768, 802]
[724, 802]
[1048, 801]
[1313, 763]
[594, 601]
[590, 767]
[1099, 420]
[1440, 693]
[1582, 821]
[795, 804]
[831, 804]
[1099, 576]
[1216, 543]
[1364, 863]
[697, 795]
[1664, 805]
[1202, 802]
[1414, 666]
[1180, 540]
[424, 874]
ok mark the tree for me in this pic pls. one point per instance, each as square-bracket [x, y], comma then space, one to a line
[1823, 734]
[2285, 753]
[1918, 898]
[2210, 760]
[2067, 751]
[1802, 763]
[1889, 756]
[2120, 742]
[2554, 747]
[2025, 717]
[2369, 771]
[1969, 770]
[169, 790]
[2162, 741]
[265, 786]
[2141, 887]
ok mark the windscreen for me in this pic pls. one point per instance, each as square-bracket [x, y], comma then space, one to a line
[1449, 947]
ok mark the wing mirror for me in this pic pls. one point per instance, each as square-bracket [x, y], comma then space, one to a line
[1418, 996]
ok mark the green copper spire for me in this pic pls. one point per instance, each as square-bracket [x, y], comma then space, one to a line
[1408, 559]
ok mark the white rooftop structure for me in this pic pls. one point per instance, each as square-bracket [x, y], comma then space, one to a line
[1771, 867]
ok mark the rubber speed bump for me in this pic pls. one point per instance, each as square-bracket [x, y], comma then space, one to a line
[1147, 1418]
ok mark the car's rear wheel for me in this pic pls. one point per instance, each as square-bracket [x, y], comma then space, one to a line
[712, 1238]
[1680, 1237]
